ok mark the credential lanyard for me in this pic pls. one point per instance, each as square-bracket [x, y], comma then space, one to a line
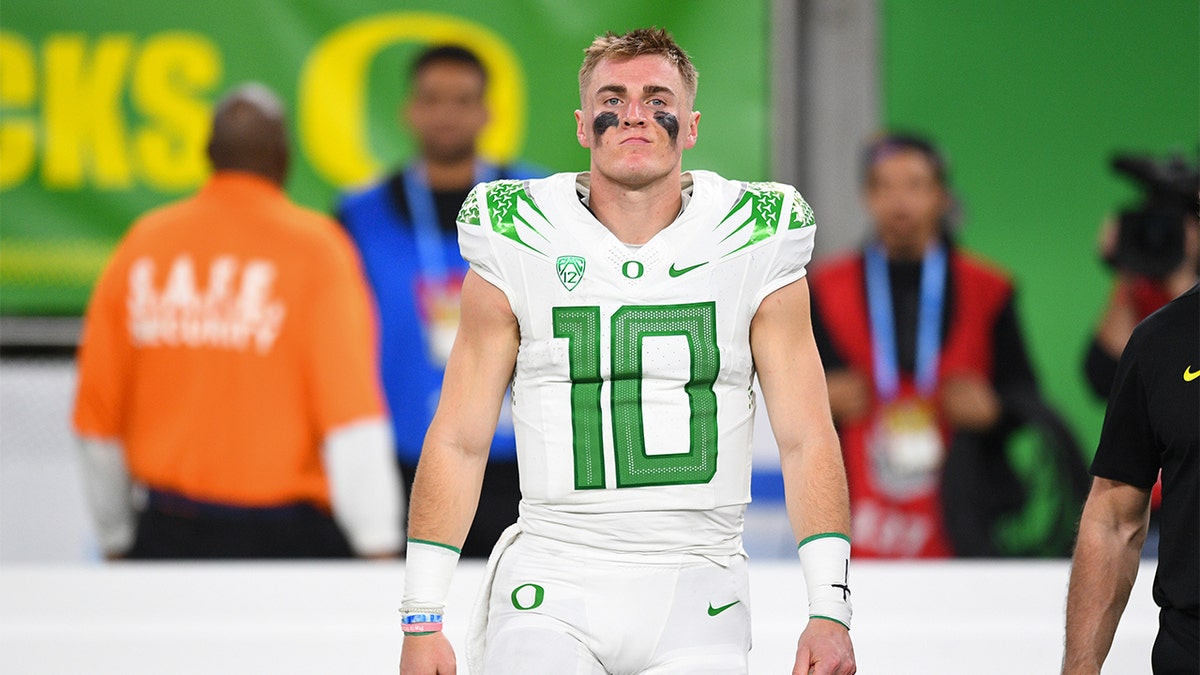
[430, 250]
[883, 321]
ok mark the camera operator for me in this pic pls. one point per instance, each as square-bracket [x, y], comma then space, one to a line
[1155, 251]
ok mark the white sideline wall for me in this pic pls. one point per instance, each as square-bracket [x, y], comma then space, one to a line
[300, 618]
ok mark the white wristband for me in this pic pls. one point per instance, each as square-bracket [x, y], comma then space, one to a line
[825, 559]
[428, 568]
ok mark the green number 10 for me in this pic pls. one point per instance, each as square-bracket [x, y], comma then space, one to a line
[630, 326]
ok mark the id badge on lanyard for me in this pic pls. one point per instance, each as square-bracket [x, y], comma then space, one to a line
[438, 287]
[906, 443]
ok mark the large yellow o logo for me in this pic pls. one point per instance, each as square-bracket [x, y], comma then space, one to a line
[332, 105]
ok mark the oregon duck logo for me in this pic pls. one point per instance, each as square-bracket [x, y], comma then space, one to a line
[333, 103]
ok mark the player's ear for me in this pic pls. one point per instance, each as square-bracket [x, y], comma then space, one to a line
[580, 130]
[693, 130]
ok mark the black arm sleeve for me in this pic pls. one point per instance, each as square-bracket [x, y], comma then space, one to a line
[830, 358]
[1100, 369]
[1012, 372]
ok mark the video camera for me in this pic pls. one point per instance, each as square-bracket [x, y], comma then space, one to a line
[1150, 238]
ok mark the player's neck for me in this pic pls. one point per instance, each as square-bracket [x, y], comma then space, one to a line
[636, 215]
[443, 176]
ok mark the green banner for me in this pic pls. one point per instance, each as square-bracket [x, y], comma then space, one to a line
[104, 109]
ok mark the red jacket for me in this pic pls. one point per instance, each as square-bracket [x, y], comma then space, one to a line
[888, 522]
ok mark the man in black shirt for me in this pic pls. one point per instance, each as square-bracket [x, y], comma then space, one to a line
[1152, 425]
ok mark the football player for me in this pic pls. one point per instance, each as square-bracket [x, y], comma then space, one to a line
[630, 306]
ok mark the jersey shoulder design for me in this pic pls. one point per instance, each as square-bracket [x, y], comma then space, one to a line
[759, 208]
[505, 208]
[753, 212]
[769, 221]
[757, 211]
[501, 215]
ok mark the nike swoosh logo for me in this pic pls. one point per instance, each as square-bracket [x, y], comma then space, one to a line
[713, 611]
[1188, 375]
[680, 272]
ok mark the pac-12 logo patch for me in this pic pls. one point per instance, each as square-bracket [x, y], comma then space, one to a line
[570, 270]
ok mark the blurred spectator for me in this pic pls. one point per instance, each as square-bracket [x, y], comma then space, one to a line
[919, 340]
[1151, 427]
[1133, 298]
[404, 226]
[228, 367]
[1153, 264]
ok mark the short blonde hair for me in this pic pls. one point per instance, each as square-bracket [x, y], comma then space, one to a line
[639, 42]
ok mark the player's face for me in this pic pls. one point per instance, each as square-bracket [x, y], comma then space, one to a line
[636, 119]
[906, 202]
[446, 111]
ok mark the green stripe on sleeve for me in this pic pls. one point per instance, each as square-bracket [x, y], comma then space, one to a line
[439, 544]
[829, 618]
[823, 535]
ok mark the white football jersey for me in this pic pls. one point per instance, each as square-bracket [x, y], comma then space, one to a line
[631, 398]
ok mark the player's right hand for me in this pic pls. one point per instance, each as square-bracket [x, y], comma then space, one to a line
[427, 655]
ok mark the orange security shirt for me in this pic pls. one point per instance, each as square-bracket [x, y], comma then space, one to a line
[229, 333]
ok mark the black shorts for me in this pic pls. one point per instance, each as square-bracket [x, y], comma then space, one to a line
[175, 527]
[1177, 647]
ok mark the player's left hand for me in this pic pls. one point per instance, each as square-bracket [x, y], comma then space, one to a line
[824, 649]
